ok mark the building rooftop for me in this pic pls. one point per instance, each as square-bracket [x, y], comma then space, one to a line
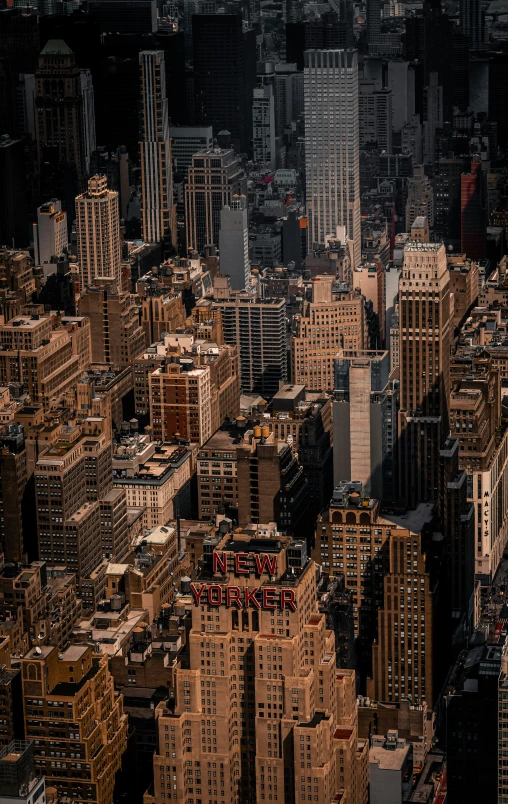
[56, 47]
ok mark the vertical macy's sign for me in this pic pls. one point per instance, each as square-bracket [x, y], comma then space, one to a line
[258, 597]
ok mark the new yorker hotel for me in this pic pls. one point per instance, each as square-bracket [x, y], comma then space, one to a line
[255, 717]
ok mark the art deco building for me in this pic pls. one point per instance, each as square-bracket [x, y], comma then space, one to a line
[64, 110]
[426, 319]
[214, 177]
[261, 710]
[69, 702]
[332, 146]
[158, 212]
[329, 323]
[98, 233]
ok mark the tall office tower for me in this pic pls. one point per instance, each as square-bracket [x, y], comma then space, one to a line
[65, 118]
[225, 75]
[263, 127]
[50, 235]
[331, 146]
[234, 242]
[20, 780]
[98, 233]
[187, 141]
[329, 323]
[14, 227]
[158, 211]
[117, 336]
[433, 117]
[333, 30]
[420, 198]
[42, 358]
[125, 16]
[403, 662]
[364, 422]
[472, 22]
[428, 40]
[373, 26]
[473, 220]
[288, 89]
[401, 81]
[425, 331]
[308, 729]
[180, 402]
[78, 682]
[214, 177]
[447, 181]
[258, 329]
[13, 479]
[375, 115]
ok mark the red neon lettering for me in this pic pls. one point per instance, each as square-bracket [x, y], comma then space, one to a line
[268, 601]
[241, 567]
[197, 592]
[250, 597]
[215, 595]
[266, 561]
[287, 596]
[233, 596]
[220, 562]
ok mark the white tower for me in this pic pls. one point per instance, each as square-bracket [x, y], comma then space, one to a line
[332, 150]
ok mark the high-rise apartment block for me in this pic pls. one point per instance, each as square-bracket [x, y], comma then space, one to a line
[13, 479]
[425, 321]
[214, 177]
[117, 337]
[332, 146]
[50, 235]
[180, 401]
[403, 663]
[98, 233]
[258, 328]
[158, 211]
[20, 781]
[293, 714]
[234, 242]
[375, 115]
[78, 686]
[330, 322]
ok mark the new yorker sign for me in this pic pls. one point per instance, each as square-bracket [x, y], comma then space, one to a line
[256, 597]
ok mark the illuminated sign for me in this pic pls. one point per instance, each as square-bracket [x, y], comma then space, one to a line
[258, 597]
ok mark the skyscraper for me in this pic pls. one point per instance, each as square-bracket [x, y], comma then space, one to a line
[332, 145]
[472, 22]
[473, 219]
[64, 114]
[98, 232]
[234, 242]
[425, 331]
[263, 126]
[214, 177]
[158, 212]
[225, 75]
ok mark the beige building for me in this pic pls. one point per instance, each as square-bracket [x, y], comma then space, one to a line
[117, 336]
[98, 233]
[46, 361]
[463, 285]
[75, 686]
[152, 476]
[329, 323]
[261, 710]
